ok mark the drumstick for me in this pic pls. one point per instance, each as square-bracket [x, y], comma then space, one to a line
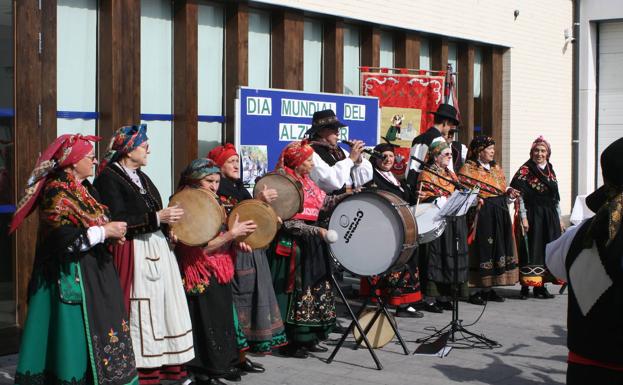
[418, 195]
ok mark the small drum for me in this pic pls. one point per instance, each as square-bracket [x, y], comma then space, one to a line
[202, 219]
[381, 332]
[429, 226]
[289, 190]
[376, 233]
[264, 217]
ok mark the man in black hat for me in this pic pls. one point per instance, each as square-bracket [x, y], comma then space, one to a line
[334, 168]
[459, 150]
[446, 118]
[589, 257]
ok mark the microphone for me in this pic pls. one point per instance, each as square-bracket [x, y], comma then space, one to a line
[331, 236]
[368, 151]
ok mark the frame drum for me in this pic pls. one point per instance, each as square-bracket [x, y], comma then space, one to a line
[376, 233]
[380, 333]
[264, 217]
[202, 219]
[289, 190]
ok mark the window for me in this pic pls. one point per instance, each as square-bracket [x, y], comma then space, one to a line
[424, 54]
[452, 60]
[156, 90]
[477, 91]
[210, 77]
[387, 49]
[76, 66]
[259, 49]
[352, 60]
[312, 56]
[7, 267]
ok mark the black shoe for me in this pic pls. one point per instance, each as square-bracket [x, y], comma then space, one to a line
[445, 305]
[294, 351]
[542, 293]
[209, 381]
[233, 375]
[408, 312]
[524, 293]
[495, 297]
[432, 308]
[250, 367]
[317, 348]
[477, 299]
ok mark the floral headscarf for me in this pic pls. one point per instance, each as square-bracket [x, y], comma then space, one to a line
[540, 141]
[294, 154]
[478, 144]
[196, 171]
[123, 141]
[220, 154]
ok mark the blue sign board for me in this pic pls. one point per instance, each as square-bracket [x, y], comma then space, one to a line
[273, 118]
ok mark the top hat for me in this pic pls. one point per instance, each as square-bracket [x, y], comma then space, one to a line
[447, 111]
[324, 119]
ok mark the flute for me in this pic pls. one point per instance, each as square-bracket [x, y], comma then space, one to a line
[367, 150]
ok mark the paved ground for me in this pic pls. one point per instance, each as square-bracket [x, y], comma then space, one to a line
[532, 334]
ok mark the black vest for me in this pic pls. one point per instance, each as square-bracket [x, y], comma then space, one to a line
[598, 335]
[325, 154]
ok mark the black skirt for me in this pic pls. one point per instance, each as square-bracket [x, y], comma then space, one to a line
[440, 266]
[214, 331]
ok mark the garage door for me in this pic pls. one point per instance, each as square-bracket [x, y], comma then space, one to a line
[610, 87]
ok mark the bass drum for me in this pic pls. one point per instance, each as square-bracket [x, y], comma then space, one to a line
[289, 194]
[264, 217]
[202, 219]
[376, 233]
[380, 333]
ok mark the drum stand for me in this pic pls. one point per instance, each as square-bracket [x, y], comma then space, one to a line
[455, 325]
[381, 309]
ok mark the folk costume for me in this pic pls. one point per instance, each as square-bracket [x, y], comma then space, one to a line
[159, 320]
[437, 267]
[207, 278]
[588, 257]
[254, 296]
[299, 261]
[401, 288]
[539, 203]
[77, 329]
[333, 169]
[492, 259]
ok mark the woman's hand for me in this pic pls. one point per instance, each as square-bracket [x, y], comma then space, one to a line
[115, 230]
[563, 228]
[170, 214]
[322, 233]
[524, 224]
[268, 194]
[512, 193]
[172, 236]
[241, 229]
[245, 247]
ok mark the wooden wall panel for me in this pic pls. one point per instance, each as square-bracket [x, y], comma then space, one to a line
[333, 52]
[288, 29]
[465, 75]
[370, 46]
[185, 84]
[236, 60]
[407, 50]
[119, 66]
[35, 119]
[438, 54]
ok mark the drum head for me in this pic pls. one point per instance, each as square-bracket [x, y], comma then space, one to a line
[290, 194]
[202, 219]
[381, 332]
[264, 217]
[429, 226]
[370, 234]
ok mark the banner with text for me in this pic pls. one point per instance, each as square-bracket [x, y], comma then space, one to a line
[270, 118]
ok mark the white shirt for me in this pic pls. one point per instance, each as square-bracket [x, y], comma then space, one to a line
[344, 172]
[556, 252]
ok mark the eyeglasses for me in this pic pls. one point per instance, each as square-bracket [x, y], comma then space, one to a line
[91, 157]
[448, 154]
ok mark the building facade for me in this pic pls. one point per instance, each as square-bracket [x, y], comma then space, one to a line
[92, 66]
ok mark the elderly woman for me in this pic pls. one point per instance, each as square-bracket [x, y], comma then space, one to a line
[299, 261]
[400, 288]
[258, 310]
[438, 265]
[492, 252]
[539, 210]
[159, 320]
[208, 272]
[77, 327]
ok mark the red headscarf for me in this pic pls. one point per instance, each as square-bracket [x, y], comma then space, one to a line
[65, 151]
[540, 141]
[294, 154]
[220, 154]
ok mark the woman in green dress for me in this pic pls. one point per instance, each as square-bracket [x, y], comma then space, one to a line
[77, 328]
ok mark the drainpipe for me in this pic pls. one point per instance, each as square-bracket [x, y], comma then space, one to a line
[575, 123]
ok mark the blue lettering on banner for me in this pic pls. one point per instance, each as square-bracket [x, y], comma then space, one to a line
[259, 106]
[303, 108]
[354, 112]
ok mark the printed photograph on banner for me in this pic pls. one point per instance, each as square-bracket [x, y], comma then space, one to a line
[400, 125]
[254, 163]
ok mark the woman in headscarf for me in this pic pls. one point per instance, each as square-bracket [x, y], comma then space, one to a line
[77, 327]
[492, 250]
[539, 210]
[207, 273]
[299, 261]
[159, 320]
[437, 266]
[400, 288]
[254, 296]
